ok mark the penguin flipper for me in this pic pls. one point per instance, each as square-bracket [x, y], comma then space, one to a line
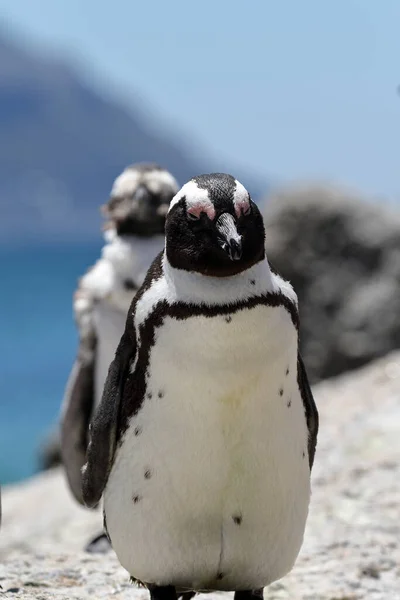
[309, 407]
[105, 425]
[76, 413]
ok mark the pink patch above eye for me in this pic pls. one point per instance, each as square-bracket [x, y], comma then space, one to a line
[197, 209]
[241, 206]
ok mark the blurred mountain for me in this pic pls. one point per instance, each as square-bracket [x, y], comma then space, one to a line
[62, 144]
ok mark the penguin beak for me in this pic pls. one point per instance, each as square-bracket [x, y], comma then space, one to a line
[140, 215]
[143, 208]
[228, 238]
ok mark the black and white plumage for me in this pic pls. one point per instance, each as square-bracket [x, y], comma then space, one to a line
[205, 437]
[134, 235]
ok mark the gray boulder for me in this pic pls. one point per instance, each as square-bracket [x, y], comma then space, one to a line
[342, 255]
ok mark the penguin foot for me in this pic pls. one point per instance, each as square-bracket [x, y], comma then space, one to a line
[166, 592]
[99, 545]
[250, 595]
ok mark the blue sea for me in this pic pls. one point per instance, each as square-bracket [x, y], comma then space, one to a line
[37, 346]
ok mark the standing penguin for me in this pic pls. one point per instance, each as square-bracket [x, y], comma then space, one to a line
[205, 436]
[136, 214]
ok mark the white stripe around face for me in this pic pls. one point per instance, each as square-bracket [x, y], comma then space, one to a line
[156, 181]
[197, 200]
[129, 180]
[241, 199]
[126, 183]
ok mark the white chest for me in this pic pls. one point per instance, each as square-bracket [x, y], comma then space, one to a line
[110, 325]
[210, 488]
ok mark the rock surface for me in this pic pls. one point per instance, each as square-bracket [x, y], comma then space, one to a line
[352, 545]
[342, 255]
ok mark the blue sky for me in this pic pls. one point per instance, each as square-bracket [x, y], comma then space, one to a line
[293, 89]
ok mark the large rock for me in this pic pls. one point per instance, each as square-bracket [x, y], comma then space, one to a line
[351, 548]
[342, 255]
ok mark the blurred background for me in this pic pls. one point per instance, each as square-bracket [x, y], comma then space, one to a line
[298, 100]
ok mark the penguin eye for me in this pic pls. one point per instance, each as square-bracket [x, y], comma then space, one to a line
[246, 210]
[243, 208]
[193, 216]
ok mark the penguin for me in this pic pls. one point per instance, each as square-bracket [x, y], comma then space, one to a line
[134, 235]
[204, 440]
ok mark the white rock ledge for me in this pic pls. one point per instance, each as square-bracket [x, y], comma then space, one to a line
[352, 545]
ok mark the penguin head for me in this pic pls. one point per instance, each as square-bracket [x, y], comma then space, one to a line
[214, 228]
[139, 200]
